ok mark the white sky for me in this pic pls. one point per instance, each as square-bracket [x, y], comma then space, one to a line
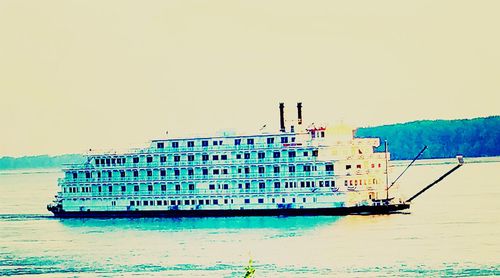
[76, 75]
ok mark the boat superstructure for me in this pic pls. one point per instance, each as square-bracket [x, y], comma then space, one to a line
[299, 171]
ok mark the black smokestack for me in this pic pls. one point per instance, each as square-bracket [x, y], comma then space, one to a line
[282, 117]
[299, 112]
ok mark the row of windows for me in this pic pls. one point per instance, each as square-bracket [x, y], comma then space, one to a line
[220, 142]
[204, 157]
[192, 186]
[359, 166]
[212, 201]
[204, 171]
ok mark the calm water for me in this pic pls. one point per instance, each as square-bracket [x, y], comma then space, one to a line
[452, 230]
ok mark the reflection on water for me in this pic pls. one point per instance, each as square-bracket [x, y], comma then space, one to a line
[452, 230]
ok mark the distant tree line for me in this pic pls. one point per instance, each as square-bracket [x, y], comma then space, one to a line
[39, 161]
[477, 137]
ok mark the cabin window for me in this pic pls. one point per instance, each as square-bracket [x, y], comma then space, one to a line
[190, 171]
[329, 167]
[261, 169]
[358, 166]
[190, 144]
[149, 173]
[276, 169]
[175, 145]
[260, 200]
[132, 203]
[262, 185]
[215, 157]
[223, 157]
[247, 170]
[87, 175]
[177, 172]
[302, 184]
[122, 174]
[136, 173]
[135, 160]
[261, 155]
[270, 140]
[347, 167]
[250, 141]
[191, 186]
[215, 143]
[110, 174]
[225, 186]
[97, 162]
[291, 168]
[284, 139]
[315, 153]
[177, 158]
[320, 183]
[177, 187]
[163, 159]
[216, 171]
[108, 161]
[276, 154]
[237, 142]
[204, 157]
[277, 184]
[200, 202]
[307, 168]
[124, 188]
[204, 143]
[163, 187]
[160, 145]
[247, 155]
[211, 186]
[205, 171]
[149, 159]
[291, 154]
[150, 188]
[379, 165]
[306, 153]
[247, 201]
[247, 185]
[224, 171]
[136, 188]
[238, 156]
[163, 172]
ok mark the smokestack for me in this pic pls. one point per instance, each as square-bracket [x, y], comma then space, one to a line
[299, 112]
[282, 117]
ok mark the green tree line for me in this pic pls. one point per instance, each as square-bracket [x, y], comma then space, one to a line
[478, 137]
[39, 161]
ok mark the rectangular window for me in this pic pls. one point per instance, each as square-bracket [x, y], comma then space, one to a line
[358, 166]
[347, 167]
[223, 157]
[190, 144]
[97, 162]
[211, 186]
[276, 154]
[291, 168]
[261, 155]
[135, 160]
[270, 140]
[191, 186]
[149, 173]
[237, 142]
[190, 157]
[190, 172]
[215, 157]
[124, 188]
[204, 143]
[177, 158]
[247, 155]
[225, 186]
[136, 173]
[216, 202]
[276, 169]
[247, 170]
[163, 159]
[216, 171]
[327, 183]
[216, 143]
[224, 171]
[329, 167]
[291, 154]
[163, 172]
[177, 187]
[163, 187]
[250, 141]
[238, 156]
[160, 145]
[306, 153]
[205, 171]
[247, 201]
[204, 157]
[177, 172]
[150, 188]
[261, 201]
[247, 185]
[132, 203]
[175, 145]
[307, 168]
[136, 188]
[122, 174]
[315, 153]
[262, 185]
[284, 140]
[277, 184]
